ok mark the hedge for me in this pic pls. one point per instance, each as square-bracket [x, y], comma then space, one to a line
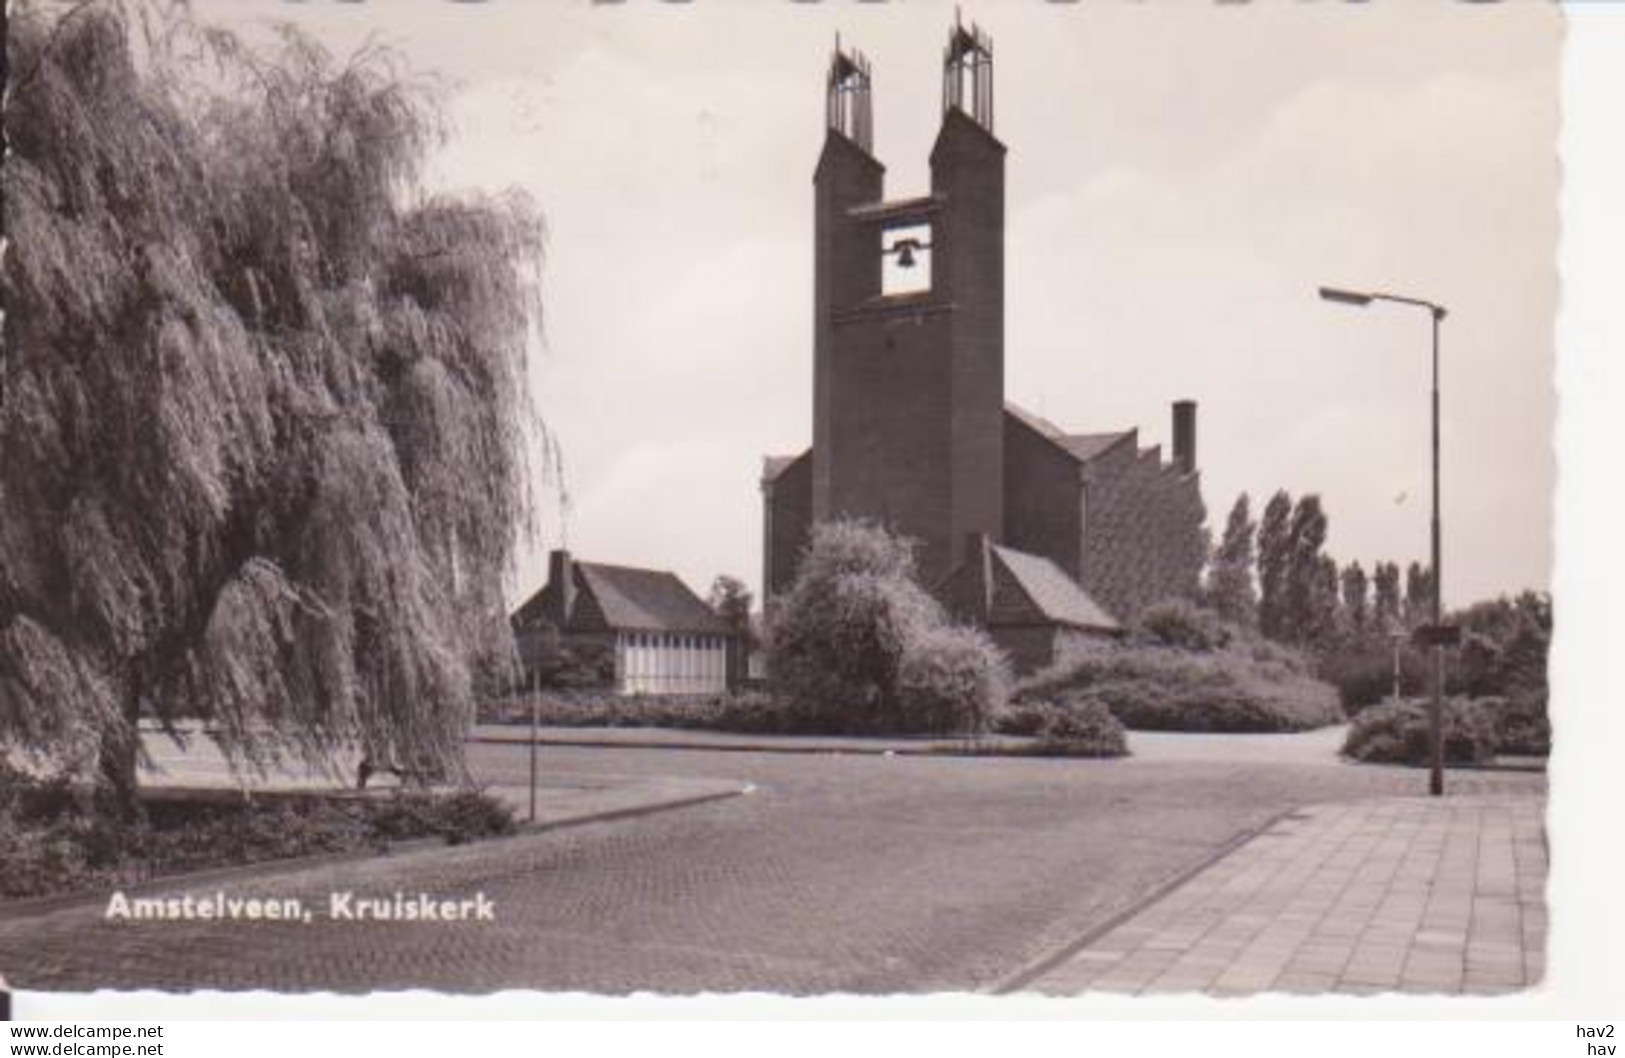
[1246, 686]
[1071, 727]
[1399, 733]
[56, 842]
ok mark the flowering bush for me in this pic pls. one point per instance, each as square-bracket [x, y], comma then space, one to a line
[858, 647]
[950, 681]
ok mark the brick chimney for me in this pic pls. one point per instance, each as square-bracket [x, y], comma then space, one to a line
[561, 572]
[1185, 435]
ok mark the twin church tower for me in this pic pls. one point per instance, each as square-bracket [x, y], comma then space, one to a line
[1020, 526]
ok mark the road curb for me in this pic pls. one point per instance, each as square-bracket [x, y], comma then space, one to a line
[13, 911]
[925, 749]
[633, 811]
[1037, 968]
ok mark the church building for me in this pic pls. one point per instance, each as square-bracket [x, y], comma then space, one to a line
[1024, 527]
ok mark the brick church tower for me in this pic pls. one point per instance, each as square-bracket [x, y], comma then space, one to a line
[908, 390]
[1031, 531]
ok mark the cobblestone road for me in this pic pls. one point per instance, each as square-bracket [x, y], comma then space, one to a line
[840, 873]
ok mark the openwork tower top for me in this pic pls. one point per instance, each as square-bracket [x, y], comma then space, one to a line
[848, 108]
[967, 73]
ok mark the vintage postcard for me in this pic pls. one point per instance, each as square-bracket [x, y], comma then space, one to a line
[814, 499]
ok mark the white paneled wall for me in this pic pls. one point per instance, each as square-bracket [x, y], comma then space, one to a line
[671, 663]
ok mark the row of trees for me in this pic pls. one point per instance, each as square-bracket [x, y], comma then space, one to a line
[1274, 574]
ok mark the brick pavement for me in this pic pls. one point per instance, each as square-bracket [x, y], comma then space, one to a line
[1396, 894]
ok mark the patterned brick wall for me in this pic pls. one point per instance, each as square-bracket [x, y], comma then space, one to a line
[1143, 536]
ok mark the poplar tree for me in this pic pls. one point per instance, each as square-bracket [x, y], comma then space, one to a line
[1355, 591]
[1325, 604]
[1230, 587]
[1303, 591]
[1274, 559]
[1418, 595]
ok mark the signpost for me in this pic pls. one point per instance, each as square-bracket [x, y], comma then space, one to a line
[1398, 639]
[535, 732]
[1437, 636]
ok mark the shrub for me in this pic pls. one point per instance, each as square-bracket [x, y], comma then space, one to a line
[1363, 672]
[1502, 654]
[30, 797]
[749, 713]
[1078, 726]
[1522, 727]
[458, 817]
[858, 647]
[1245, 687]
[1398, 733]
[951, 680]
[1504, 646]
[578, 665]
[43, 859]
[1181, 623]
[1023, 716]
[75, 846]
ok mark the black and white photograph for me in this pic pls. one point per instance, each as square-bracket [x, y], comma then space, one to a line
[808, 499]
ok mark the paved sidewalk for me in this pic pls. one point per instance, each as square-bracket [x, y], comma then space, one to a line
[1409, 895]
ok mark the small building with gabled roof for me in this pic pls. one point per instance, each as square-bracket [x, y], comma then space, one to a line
[652, 634]
[1025, 602]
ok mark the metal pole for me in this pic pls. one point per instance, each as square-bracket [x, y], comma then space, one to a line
[535, 724]
[1436, 718]
[1437, 634]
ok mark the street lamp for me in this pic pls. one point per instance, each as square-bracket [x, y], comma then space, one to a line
[1436, 635]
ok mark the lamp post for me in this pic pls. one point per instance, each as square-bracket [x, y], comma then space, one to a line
[1437, 635]
[1399, 644]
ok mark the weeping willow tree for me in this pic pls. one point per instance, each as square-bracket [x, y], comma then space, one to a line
[262, 412]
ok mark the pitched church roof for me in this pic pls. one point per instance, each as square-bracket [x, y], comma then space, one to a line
[1000, 587]
[1080, 446]
[773, 466]
[1048, 592]
[624, 598]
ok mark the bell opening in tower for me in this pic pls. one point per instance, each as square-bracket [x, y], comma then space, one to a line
[905, 260]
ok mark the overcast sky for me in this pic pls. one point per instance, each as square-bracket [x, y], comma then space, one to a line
[1180, 178]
